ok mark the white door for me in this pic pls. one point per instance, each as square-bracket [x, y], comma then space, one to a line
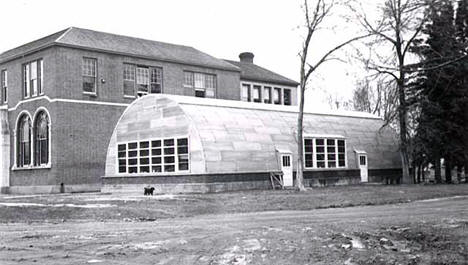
[286, 167]
[363, 168]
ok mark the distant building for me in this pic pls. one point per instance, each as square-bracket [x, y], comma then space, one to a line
[62, 95]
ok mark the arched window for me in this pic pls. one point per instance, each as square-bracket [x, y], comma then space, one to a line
[41, 139]
[24, 141]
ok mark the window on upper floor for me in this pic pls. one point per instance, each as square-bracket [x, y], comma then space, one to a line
[277, 96]
[142, 79]
[324, 153]
[204, 85]
[267, 94]
[287, 96]
[4, 85]
[245, 93]
[255, 92]
[89, 72]
[33, 78]
[257, 95]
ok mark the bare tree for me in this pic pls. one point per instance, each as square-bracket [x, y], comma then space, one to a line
[314, 19]
[400, 23]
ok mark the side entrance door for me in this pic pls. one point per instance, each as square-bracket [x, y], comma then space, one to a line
[286, 167]
[363, 167]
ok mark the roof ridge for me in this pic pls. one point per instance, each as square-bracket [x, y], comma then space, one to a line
[131, 37]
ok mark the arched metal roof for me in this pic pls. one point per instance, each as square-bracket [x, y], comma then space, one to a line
[230, 136]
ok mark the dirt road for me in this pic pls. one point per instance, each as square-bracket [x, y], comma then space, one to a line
[398, 233]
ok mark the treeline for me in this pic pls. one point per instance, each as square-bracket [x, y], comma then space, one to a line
[438, 92]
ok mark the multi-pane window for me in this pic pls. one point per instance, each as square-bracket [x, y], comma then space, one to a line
[129, 79]
[267, 94]
[4, 85]
[324, 153]
[309, 152]
[32, 78]
[41, 139]
[89, 73]
[204, 84]
[153, 156]
[156, 80]
[23, 142]
[144, 79]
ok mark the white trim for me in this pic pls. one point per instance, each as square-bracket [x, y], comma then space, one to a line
[190, 100]
[68, 101]
[49, 160]
[90, 93]
[328, 136]
[262, 92]
[360, 151]
[63, 34]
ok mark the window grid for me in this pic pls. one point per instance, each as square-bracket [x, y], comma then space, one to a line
[204, 84]
[155, 156]
[89, 73]
[324, 153]
[257, 92]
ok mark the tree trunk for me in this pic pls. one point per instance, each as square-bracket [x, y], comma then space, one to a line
[419, 173]
[437, 176]
[448, 171]
[459, 173]
[300, 139]
[402, 115]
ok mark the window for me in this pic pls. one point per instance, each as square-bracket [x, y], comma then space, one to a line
[309, 152]
[203, 84]
[257, 97]
[267, 95]
[4, 85]
[129, 80]
[41, 139]
[144, 79]
[23, 133]
[362, 160]
[32, 78]
[286, 161]
[89, 73]
[156, 81]
[245, 92]
[277, 96]
[287, 96]
[324, 153]
[153, 156]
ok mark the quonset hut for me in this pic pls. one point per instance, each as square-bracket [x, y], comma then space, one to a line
[183, 144]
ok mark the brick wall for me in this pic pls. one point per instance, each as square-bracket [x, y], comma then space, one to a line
[110, 69]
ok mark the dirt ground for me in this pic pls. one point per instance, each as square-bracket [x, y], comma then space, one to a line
[109, 228]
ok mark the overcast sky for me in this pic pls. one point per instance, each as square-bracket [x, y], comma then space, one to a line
[222, 29]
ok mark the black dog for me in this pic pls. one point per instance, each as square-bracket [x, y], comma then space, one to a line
[149, 191]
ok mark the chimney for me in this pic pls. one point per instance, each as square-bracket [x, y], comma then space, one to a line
[246, 57]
